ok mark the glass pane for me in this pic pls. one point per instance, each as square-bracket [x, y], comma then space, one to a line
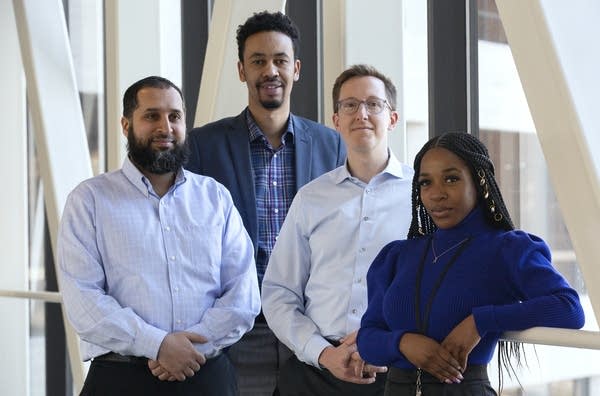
[85, 21]
[508, 131]
[415, 93]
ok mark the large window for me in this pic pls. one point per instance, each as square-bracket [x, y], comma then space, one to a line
[508, 131]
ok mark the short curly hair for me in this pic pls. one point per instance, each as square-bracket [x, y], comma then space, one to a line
[266, 21]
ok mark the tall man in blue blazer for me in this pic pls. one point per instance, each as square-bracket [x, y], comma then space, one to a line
[263, 156]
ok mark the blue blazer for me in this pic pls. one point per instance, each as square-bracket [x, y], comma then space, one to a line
[221, 150]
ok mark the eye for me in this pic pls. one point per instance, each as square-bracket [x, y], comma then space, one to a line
[175, 117]
[280, 62]
[423, 182]
[451, 179]
[374, 104]
[349, 106]
[151, 116]
[258, 62]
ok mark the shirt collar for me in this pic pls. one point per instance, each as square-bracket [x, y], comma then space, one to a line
[256, 132]
[141, 182]
[393, 168]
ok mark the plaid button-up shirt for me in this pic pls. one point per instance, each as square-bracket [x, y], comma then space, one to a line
[275, 186]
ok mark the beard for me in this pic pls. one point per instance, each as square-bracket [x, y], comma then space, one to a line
[271, 104]
[156, 161]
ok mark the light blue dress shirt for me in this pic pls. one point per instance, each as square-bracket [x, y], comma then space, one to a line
[134, 266]
[315, 285]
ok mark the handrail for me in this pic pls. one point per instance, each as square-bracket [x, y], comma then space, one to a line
[585, 339]
[53, 297]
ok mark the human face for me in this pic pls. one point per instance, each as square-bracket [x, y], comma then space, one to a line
[156, 131]
[446, 187]
[361, 131]
[269, 70]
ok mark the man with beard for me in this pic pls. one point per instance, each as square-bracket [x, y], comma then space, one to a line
[263, 156]
[156, 269]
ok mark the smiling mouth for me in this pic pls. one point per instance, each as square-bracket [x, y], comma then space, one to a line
[163, 142]
[362, 128]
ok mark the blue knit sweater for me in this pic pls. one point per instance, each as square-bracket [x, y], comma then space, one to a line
[504, 278]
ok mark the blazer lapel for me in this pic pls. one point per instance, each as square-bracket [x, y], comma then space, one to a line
[239, 147]
[303, 146]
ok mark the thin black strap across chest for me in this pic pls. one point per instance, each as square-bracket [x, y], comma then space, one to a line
[423, 323]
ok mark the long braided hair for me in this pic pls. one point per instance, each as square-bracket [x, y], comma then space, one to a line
[476, 156]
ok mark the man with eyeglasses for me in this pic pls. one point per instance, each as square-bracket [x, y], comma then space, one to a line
[314, 290]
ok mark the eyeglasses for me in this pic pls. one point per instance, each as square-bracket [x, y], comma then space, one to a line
[373, 105]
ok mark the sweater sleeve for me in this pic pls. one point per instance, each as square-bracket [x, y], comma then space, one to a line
[544, 298]
[377, 344]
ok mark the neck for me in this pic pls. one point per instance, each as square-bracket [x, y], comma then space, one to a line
[365, 166]
[272, 122]
[160, 183]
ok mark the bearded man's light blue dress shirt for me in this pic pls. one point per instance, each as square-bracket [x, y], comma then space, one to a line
[134, 266]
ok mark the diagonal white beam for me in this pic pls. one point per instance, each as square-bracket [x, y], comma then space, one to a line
[60, 136]
[552, 43]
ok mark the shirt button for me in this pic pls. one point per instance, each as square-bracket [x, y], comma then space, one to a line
[354, 311]
[359, 280]
[366, 218]
[276, 210]
[175, 289]
[368, 190]
[168, 228]
[172, 258]
[362, 249]
[274, 182]
[178, 321]
[274, 155]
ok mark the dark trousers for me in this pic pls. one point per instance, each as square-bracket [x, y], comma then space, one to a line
[300, 379]
[403, 383]
[215, 378]
[257, 359]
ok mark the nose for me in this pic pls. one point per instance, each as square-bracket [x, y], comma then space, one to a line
[270, 69]
[362, 113]
[165, 124]
[437, 192]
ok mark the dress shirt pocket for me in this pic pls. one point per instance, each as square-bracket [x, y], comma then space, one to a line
[203, 245]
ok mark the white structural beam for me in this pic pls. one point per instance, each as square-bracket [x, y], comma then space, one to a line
[221, 92]
[57, 118]
[143, 38]
[351, 36]
[558, 64]
[14, 343]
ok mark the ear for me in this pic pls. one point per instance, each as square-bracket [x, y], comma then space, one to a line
[393, 120]
[241, 73]
[336, 121]
[297, 65]
[125, 126]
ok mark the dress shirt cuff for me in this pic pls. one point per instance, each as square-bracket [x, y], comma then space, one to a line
[313, 348]
[148, 341]
[208, 349]
[485, 319]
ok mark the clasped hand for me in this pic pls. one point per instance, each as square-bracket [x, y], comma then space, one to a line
[447, 360]
[177, 358]
[345, 363]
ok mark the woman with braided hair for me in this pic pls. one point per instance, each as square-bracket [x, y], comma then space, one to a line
[440, 300]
